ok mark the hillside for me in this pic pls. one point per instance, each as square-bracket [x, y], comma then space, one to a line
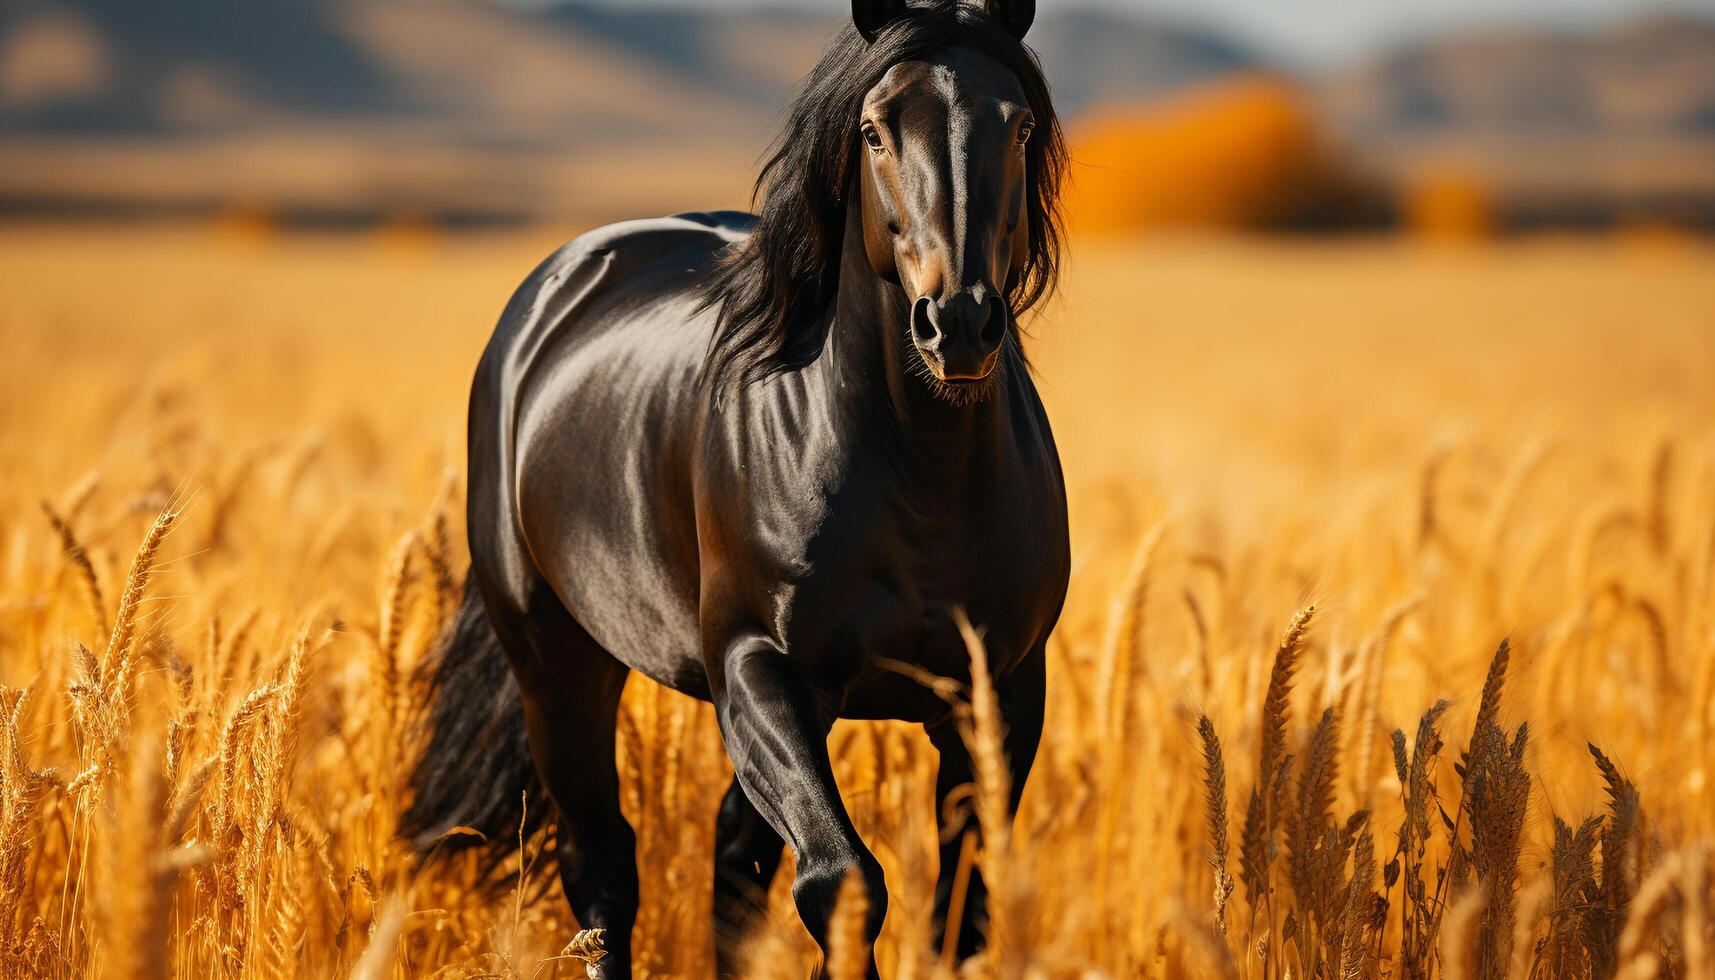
[478, 110]
[462, 108]
[113, 66]
[1567, 124]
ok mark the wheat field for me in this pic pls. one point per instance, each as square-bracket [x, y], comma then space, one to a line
[1390, 648]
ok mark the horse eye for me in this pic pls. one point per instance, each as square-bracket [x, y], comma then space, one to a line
[1024, 132]
[871, 137]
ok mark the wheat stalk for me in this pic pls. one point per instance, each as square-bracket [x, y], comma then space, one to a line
[1215, 805]
[78, 556]
[1260, 815]
[1121, 661]
[116, 662]
[848, 930]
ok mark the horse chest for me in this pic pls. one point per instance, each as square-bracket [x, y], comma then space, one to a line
[858, 553]
[885, 589]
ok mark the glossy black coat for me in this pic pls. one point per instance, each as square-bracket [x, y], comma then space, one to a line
[766, 550]
[776, 541]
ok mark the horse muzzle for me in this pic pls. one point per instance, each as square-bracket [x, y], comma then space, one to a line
[960, 337]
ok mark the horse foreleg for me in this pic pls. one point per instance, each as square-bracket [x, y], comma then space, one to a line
[1021, 695]
[776, 732]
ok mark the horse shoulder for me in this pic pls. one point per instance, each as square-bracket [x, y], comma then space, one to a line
[592, 375]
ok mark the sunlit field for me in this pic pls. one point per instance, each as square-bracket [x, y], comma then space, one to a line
[1315, 487]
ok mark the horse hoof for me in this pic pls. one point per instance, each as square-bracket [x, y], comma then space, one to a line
[589, 947]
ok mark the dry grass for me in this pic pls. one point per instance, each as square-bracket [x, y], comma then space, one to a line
[228, 533]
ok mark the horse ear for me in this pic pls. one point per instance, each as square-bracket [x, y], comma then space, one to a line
[871, 16]
[1015, 15]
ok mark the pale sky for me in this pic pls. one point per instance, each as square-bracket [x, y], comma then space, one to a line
[1312, 31]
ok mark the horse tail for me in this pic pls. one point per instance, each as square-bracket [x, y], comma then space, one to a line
[474, 787]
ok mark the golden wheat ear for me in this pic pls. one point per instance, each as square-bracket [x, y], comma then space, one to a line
[1215, 806]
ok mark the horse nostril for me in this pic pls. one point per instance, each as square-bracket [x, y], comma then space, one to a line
[994, 326]
[923, 328]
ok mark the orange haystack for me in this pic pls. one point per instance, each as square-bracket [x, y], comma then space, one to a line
[1232, 154]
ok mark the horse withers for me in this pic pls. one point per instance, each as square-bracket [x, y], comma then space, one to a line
[757, 459]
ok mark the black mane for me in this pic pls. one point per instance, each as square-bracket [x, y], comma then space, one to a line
[773, 291]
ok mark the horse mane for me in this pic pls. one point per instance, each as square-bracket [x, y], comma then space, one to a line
[774, 289]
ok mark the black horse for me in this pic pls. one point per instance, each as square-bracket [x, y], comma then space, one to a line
[755, 458]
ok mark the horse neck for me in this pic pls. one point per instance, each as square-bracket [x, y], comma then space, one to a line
[876, 376]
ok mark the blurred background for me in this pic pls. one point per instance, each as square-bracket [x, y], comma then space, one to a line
[1449, 118]
[1403, 307]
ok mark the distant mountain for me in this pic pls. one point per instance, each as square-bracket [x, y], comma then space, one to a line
[602, 110]
[571, 71]
[103, 66]
[1654, 75]
[1095, 57]
[1090, 55]
[1560, 127]
[453, 69]
[472, 106]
